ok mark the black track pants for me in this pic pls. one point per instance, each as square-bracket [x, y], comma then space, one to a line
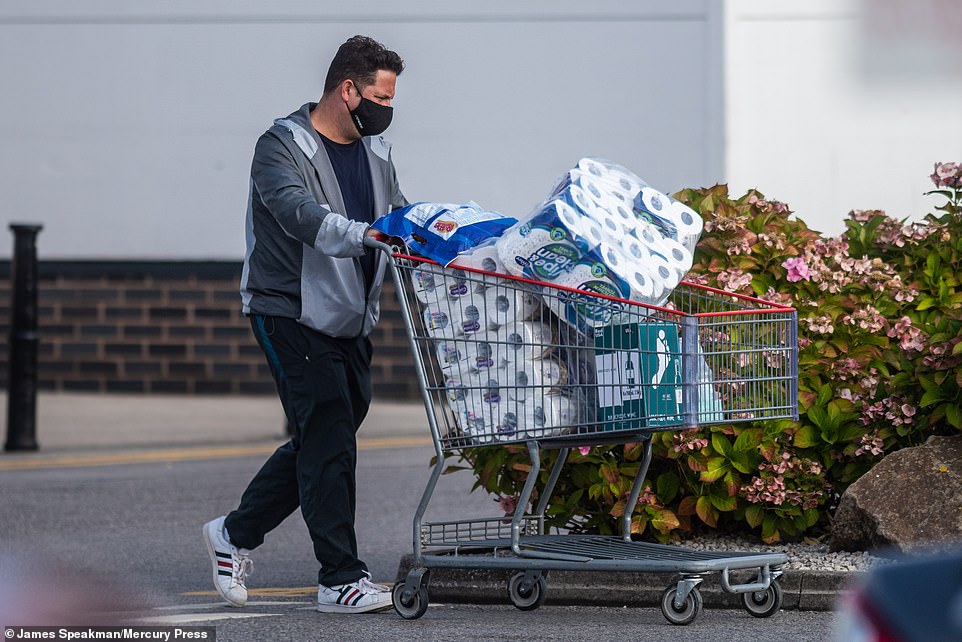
[325, 387]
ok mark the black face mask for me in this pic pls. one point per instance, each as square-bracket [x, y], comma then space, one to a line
[371, 118]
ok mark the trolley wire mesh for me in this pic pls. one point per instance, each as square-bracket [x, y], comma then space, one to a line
[508, 360]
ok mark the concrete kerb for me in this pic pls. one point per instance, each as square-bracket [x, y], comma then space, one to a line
[802, 590]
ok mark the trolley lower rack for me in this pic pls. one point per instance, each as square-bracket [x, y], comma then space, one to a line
[518, 544]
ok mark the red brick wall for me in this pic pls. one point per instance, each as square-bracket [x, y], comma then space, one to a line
[167, 327]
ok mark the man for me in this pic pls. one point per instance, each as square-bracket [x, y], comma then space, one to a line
[310, 287]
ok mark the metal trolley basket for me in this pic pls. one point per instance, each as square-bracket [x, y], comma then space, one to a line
[503, 360]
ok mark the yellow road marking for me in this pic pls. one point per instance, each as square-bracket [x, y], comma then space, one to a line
[92, 460]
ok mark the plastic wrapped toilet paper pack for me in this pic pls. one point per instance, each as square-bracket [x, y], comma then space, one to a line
[600, 212]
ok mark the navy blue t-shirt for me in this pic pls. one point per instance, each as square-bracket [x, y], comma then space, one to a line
[353, 174]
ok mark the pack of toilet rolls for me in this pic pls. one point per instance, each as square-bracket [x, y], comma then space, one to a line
[602, 231]
[505, 375]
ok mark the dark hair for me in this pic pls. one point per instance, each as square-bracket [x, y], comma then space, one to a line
[359, 59]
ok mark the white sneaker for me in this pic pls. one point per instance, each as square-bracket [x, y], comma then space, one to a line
[362, 596]
[231, 564]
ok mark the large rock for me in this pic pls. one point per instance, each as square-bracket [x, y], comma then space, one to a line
[912, 499]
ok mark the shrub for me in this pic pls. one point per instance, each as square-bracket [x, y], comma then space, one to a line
[880, 349]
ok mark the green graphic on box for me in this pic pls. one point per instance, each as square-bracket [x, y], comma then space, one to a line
[639, 375]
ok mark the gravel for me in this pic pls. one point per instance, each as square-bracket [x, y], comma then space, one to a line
[802, 556]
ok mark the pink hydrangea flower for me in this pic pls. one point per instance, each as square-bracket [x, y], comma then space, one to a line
[797, 269]
[507, 504]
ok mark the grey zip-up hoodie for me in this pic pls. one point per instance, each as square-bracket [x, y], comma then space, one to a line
[302, 254]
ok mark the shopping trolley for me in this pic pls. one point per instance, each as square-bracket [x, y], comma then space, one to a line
[502, 360]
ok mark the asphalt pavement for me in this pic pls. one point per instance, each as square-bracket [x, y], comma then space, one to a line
[107, 514]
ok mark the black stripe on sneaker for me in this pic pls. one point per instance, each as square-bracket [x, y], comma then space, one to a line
[219, 554]
[227, 573]
[357, 598]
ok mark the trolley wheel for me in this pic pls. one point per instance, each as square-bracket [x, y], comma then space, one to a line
[530, 599]
[688, 611]
[415, 606]
[764, 603]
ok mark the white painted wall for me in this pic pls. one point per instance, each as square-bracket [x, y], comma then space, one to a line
[829, 109]
[127, 128]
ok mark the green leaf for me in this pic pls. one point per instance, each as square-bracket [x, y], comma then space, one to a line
[769, 528]
[706, 512]
[664, 520]
[818, 416]
[717, 467]
[754, 515]
[723, 503]
[931, 397]
[750, 439]
[806, 437]
[667, 486]
[953, 415]
[825, 394]
[721, 444]
[742, 462]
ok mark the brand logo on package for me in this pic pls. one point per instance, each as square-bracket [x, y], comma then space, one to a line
[550, 261]
[444, 227]
[589, 307]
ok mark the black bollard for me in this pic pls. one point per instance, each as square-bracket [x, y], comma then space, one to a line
[22, 382]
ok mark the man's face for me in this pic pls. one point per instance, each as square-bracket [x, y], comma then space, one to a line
[380, 91]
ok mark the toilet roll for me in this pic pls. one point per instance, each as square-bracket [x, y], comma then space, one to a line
[534, 379]
[547, 418]
[481, 258]
[612, 172]
[537, 252]
[674, 254]
[485, 412]
[454, 319]
[643, 287]
[439, 324]
[450, 353]
[584, 231]
[455, 389]
[688, 224]
[468, 358]
[673, 218]
[526, 340]
[503, 306]
[433, 284]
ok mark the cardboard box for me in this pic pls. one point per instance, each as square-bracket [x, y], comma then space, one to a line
[639, 375]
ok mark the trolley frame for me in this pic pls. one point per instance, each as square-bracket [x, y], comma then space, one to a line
[522, 545]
